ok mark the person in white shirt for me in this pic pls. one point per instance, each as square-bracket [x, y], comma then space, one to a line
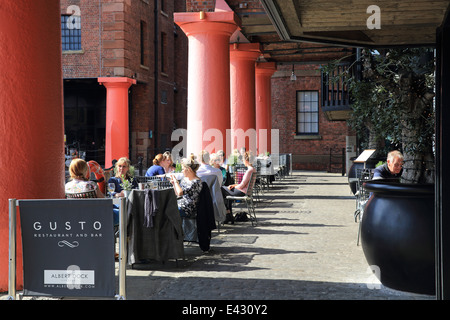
[206, 169]
[215, 162]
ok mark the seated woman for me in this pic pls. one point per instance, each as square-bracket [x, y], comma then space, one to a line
[157, 168]
[168, 162]
[238, 189]
[79, 174]
[122, 172]
[188, 189]
[215, 161]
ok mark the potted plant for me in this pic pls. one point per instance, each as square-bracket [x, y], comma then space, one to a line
[178, 167]
[127, 185]
[233, 160]
[392, 104]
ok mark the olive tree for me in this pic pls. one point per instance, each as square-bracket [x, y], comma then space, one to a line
[393, 100]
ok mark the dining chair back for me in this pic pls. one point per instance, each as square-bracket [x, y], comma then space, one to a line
[82, 195]
[248, 199]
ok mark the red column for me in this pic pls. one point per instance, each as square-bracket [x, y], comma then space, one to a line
[208, 115]
[117, 126]
[31, 117]
[263, 74]
[242, 79]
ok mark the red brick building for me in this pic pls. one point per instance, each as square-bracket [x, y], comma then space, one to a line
[135, 39]
[309, 143]
[316, 135]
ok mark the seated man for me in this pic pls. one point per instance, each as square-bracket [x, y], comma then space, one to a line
[206, 169]
[392, 169]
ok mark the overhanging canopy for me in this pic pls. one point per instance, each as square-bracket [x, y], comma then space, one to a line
[368, 23]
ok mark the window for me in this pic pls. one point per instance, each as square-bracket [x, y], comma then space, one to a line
[71, 32]
[307, 112]
[164, 97]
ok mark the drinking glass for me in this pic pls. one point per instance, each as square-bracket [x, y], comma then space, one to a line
[111, 188]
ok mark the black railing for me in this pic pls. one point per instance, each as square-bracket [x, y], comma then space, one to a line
[334, 90]
[337, 161]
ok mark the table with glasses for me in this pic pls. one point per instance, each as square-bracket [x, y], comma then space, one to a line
[265, 171]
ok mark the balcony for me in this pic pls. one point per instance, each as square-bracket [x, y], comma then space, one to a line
[335, 96]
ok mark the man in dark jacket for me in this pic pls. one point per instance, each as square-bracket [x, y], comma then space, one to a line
[392, 169]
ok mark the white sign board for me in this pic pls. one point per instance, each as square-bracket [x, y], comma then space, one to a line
[365, 155]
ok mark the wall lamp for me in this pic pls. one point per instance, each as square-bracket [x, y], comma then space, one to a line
[293, 76]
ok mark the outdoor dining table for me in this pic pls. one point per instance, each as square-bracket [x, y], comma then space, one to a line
[154, 229]
[266, 172]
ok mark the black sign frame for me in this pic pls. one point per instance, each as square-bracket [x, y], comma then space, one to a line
[68, 247]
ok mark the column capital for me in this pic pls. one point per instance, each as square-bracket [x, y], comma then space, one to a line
[206, 22]
[254, 46]
[117, 81]
[250, 51]
[265, 67]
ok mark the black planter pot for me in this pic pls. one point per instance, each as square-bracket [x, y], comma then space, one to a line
[397, 235]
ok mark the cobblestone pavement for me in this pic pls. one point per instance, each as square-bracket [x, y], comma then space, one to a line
[303, 248]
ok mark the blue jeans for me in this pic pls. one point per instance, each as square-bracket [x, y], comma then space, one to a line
[182, 213]
[116, 215]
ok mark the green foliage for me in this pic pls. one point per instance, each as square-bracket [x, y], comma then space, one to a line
[386, 96]
[380, 163]
[393, 100]
[127, 184]
[233, 159]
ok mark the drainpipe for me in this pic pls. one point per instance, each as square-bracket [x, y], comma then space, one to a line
[100, 28]
[156, 75]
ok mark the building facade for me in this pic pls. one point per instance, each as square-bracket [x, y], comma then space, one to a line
[315, 141]
[138, 39]
[135, 39]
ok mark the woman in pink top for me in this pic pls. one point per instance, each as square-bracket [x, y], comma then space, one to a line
[238, 189]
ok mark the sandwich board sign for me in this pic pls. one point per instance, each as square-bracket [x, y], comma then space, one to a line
[68, 247]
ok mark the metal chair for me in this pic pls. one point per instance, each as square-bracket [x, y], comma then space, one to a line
[143, 179]
[164, 184]
[248, 198]
[257, 188]
[362, 196]
[81, 195]
[238, 173]
[266, 171]
[159, 183]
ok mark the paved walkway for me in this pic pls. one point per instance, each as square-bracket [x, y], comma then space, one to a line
[304, 247]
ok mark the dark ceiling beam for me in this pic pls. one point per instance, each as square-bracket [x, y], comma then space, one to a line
[274, 15]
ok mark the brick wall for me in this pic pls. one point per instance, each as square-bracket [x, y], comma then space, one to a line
[87, 62]
[308, 152]
[168, 67]
[111, 46]
[200, 5]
